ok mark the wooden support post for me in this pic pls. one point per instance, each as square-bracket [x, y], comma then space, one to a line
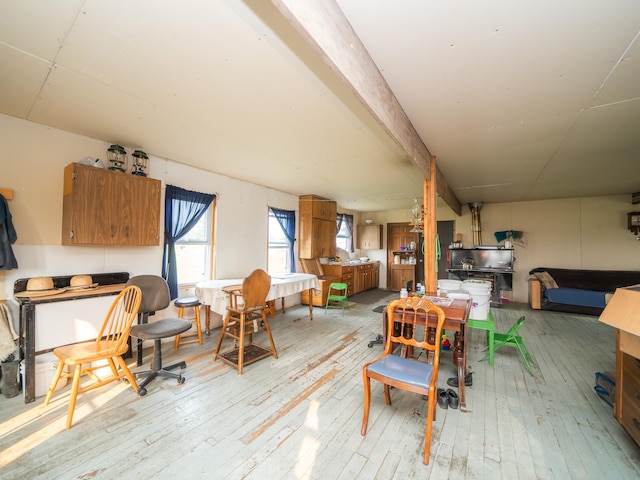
[430, 227]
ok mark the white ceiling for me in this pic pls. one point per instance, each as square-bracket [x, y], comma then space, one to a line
[518, 100]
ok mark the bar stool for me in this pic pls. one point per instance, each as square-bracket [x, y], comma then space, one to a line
[181, 304]
[489, 326]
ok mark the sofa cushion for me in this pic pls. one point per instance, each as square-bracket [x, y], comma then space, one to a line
[576, 296]
[546, 279]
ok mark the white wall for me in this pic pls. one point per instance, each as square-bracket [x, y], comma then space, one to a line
[32, 163]
[588, 233]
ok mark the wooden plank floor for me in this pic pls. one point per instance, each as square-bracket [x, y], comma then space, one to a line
[299, 417]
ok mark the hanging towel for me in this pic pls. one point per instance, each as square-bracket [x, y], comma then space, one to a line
[8, 335]
[8, 236]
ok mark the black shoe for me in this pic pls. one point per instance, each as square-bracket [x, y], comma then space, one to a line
[452, 396]
[468, 380]
[443, 398]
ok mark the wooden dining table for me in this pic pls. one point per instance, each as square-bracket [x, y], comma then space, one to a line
[456, 317]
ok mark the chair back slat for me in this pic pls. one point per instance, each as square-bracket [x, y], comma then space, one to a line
[120, 317]
[405, 319]
[255, 289]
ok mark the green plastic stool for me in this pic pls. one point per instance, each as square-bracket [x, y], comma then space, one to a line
[489, 326]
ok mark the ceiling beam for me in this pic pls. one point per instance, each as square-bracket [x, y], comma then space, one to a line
[324, 27]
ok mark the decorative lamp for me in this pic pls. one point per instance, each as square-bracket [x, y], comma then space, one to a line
[140, 163]
[416, 212]
[117, 157]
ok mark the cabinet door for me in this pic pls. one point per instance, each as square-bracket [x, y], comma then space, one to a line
[369, 237]
[375, 275]
[327, 247]
[400, 275]
[139, 222]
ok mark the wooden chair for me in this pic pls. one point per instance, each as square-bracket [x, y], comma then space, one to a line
[110, 345]
[404, 373]
[245, 318]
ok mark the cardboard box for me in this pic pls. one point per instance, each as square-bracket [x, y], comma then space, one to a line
[623, 310]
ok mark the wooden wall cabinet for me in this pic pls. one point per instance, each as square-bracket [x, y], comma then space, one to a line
[369, 237]
[318, 227]
[106, 207]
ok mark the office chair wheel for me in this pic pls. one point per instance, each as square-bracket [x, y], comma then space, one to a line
[181, 380]
[142, 391]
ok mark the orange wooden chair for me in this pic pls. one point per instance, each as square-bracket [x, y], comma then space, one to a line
[244, 318]
[404, 327]
[110, 344]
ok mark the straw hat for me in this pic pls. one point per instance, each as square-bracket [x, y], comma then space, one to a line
[39, 287]
[81, 282]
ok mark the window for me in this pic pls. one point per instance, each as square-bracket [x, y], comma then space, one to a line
[281, 239]
[193, 252]
[344, 238]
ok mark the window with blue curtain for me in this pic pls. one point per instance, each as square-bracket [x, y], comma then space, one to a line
[182, 210]
[287, 221]
[344, 238]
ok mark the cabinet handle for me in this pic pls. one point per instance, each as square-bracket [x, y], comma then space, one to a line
[126, 231]
[113, 231]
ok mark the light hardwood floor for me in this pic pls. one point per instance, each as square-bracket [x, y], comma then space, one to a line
[299, 417]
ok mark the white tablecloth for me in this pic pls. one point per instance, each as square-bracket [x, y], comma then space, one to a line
[210, 292]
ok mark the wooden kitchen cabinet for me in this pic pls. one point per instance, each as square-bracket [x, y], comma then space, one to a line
[318, 227]
[106, 207]
[358, 278]
[399, 236]
[369, 237]
[345, 274]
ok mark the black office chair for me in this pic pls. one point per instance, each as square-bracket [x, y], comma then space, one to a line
[155, 296]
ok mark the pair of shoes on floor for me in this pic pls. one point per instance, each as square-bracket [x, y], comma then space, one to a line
[448, 398]
[468, 380]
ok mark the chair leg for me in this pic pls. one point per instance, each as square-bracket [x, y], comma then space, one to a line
[268, 329]
[241, 344]
[127, 373]
[54, 382]
[431, 408]
[74, 394]
[367, 401]
[490, 344]
[225, 325]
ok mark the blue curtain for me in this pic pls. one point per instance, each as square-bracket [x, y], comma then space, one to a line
[287, 220]
[182, 210]
[344, 217]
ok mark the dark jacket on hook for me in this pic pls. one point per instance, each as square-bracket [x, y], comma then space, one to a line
[7, 237]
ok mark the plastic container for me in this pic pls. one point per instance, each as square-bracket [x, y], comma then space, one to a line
[45, 369]
[480, 292]
[458, 295]
[449, 285]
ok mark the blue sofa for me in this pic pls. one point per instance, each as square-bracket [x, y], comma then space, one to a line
[574, 290]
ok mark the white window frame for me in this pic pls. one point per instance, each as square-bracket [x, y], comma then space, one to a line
[208, 242]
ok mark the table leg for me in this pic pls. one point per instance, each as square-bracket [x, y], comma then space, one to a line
[462, 366]
[28, 341]
[282, 300]
[311, 303]
[207, 315]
